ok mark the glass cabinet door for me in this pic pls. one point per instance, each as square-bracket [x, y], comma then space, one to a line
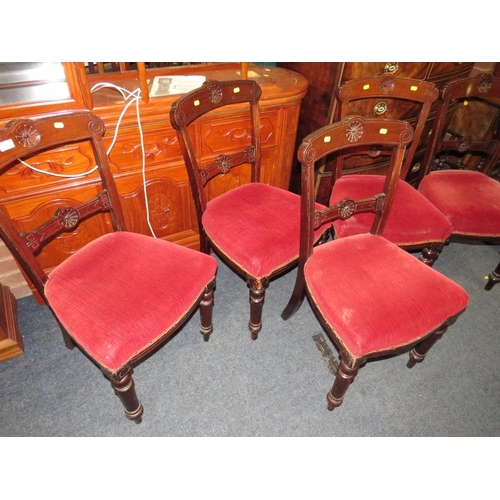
[29, 82]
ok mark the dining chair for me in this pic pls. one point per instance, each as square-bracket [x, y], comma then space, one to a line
[119, 296]
[251, 225]
[373, 298]
[413, 223]
[469, 198]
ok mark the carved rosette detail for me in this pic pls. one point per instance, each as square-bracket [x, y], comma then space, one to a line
[346, 209]
[387, 84]
[224, 163]
[215, 93]
[463, 145]
[27, 135]
[354, 131]
[484, 84]
[67, 217]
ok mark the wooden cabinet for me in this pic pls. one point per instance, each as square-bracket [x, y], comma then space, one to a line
[154, 190]
[11, 342]
[321, 108]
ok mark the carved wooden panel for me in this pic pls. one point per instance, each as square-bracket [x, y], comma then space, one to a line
[226, 136]
[74, 160]
[31, 212]
[169, 205]
[406, 69]
[160, 146]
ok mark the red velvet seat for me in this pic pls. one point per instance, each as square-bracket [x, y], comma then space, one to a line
[413, 222]
[143, 288]
[470, 199]
[252, 226]
[404, 225]
[118, 296]
[385, 312]
[373, 298]
[247, 236]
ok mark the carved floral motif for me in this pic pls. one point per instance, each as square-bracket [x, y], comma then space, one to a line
[160, 211]
[215, 93]
[224, 163]
[354, 131]
[387, 84]
[485, 84]
[463, 145]
[346, 209]
[374, 153]
[27, 135]
[67, 217]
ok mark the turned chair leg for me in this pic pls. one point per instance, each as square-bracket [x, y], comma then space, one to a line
[124, 387]
[494, 278]
[257, 294]
[206, 311]
[431, 253]
[418, 353]
[345, 377]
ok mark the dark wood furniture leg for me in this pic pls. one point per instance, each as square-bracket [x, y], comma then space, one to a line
[257, 295]
[418, 353]
[345, 377]
[206, 312]
[494, 278]
[124, 387]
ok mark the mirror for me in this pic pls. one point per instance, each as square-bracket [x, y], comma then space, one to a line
[23, 82]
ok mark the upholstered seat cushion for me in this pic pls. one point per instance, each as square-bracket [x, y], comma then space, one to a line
[393, 299]
[413, 220]
[256, 226]
[123, 291]
[470, 200]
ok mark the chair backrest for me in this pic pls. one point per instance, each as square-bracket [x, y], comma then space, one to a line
[457, 96]
[414, 99]
[352, 135]
[29, 221]
[210, 96]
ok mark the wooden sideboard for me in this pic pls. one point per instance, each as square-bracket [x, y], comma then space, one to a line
[168, 199]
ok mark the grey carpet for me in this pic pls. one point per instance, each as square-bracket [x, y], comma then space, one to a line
[275, 386]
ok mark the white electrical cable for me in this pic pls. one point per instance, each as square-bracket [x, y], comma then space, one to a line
[67, 176]
[134, 96]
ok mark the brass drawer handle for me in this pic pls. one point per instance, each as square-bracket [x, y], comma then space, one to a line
[380, 108]
[391, 67]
